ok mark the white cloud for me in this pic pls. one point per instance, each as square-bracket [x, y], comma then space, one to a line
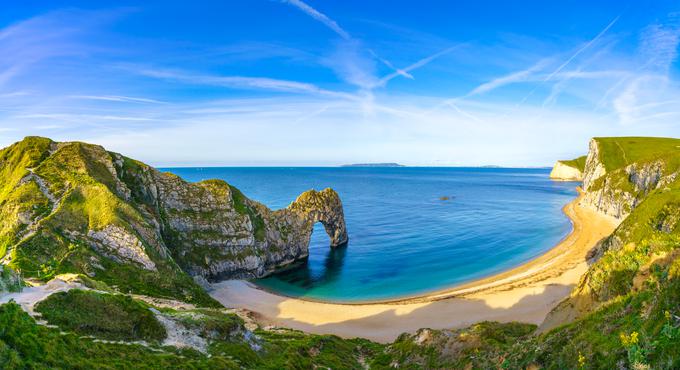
[659, 46]
[242, 82]
[115, 98]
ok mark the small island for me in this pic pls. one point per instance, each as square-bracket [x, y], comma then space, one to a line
[373, 165]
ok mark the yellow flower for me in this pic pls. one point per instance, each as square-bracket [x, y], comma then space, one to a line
[634, 337]
[667, 315]
[624, 339]
[581, 360]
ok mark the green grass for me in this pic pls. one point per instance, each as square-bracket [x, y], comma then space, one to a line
[634, 287]
[168, 282]
[107, 316]
[241, 206]
[578, 163]
[79, 174]
[10, 281]
[618, 152]
[26, 345]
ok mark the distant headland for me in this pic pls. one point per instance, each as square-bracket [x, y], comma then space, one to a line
[373, 165]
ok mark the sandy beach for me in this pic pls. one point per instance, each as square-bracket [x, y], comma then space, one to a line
[525, 293]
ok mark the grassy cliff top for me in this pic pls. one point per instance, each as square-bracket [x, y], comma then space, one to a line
[579, 163]
[618, 152]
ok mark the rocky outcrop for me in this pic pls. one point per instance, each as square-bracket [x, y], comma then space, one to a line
[594, 168]
[634, 180]
[83, 206]
[116, 242]
[618, 191]
[324, 207]
[212, 230]
[564, 172]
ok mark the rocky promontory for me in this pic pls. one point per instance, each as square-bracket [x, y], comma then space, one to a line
[568, 170]
[77, 208]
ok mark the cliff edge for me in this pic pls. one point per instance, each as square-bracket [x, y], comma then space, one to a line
[569, 170]
[77, 208]
[636, 181]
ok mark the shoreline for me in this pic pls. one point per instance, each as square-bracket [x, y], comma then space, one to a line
[523, 293]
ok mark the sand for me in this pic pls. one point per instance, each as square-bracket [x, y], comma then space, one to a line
[525, 293]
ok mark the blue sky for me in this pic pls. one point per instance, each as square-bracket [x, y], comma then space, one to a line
[318, 82]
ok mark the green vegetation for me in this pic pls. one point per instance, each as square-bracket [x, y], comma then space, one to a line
[10, 281]
[626, 308]
[639, 330]
[618, 152]
[108, 316]
[245, 209]
[52, 195]
[24, 344]
[579, 163]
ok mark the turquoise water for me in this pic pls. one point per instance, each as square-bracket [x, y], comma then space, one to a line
[403, 239]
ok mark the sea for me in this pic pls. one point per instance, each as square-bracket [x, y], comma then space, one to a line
[412, 230]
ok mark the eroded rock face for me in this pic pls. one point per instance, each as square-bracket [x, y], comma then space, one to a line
[594, 168]
[325, 207]
[564, 172]
[115, 242]
[618, 192]
[130, 213]
[214, 232]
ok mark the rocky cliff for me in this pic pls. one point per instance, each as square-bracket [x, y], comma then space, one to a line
[75, 207]
[567, 171]
[634, 180]
[620, 172]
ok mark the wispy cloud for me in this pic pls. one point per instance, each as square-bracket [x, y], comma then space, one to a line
[55, 34]
[335, 27]
[81, 117]
[530, 72]
[652, 83]
[115, 98]
[352, 65]
[242, 82]
[659, 45]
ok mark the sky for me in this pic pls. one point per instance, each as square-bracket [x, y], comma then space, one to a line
[323, 83]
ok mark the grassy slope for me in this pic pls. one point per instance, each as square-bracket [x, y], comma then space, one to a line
[108, 316]
[77, 175]
[578, 163]
[618, 152]
[24, 344]
[633, 319]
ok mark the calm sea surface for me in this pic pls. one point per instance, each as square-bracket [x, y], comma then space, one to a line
[404, 239]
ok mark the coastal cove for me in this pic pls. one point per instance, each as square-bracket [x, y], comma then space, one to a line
[413, 231]
[526, 293]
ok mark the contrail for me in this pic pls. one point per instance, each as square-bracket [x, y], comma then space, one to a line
[579, 51]
[335, 27]
[416, 65]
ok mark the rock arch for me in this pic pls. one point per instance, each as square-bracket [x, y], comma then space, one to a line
[324, 207]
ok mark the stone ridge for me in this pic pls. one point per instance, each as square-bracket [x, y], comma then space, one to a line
[75, 207]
